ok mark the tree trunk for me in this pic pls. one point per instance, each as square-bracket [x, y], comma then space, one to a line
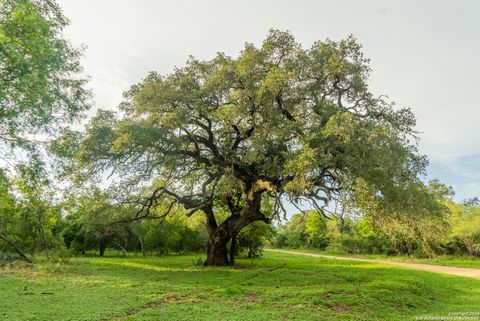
[141, 244]
[219, 235]
[101, 249]
[217, 254]
[124, 251]
[233, 249]
[409, 248]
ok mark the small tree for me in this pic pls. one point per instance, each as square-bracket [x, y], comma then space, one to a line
[29, 213]
[95, 222]
[465, 222]
[41, 91]
[10, 230]
[316, 228]
[278, 122]
[40, 87]
[251, 239]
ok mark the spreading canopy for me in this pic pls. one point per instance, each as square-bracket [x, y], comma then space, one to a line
[280, 120]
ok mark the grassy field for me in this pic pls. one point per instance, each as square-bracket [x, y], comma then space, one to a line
[458, 261]
[275, 287]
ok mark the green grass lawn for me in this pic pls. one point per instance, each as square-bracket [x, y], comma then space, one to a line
[458, 261]
[274, 287]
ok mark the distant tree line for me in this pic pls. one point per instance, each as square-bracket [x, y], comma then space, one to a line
[34, 221]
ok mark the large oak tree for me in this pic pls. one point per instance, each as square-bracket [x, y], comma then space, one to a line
[278, 123]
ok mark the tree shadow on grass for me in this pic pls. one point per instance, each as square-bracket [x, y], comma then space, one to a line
[274, 285]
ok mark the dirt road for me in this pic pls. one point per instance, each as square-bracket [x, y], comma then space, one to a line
[458, 271]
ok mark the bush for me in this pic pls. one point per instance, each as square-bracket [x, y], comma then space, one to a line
[252, 238]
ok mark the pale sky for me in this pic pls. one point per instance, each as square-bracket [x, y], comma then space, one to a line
[424, 55]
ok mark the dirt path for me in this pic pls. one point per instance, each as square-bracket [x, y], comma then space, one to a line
[466, 272]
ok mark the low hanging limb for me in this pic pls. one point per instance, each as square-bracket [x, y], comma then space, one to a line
[16, 248]
[159, 193]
